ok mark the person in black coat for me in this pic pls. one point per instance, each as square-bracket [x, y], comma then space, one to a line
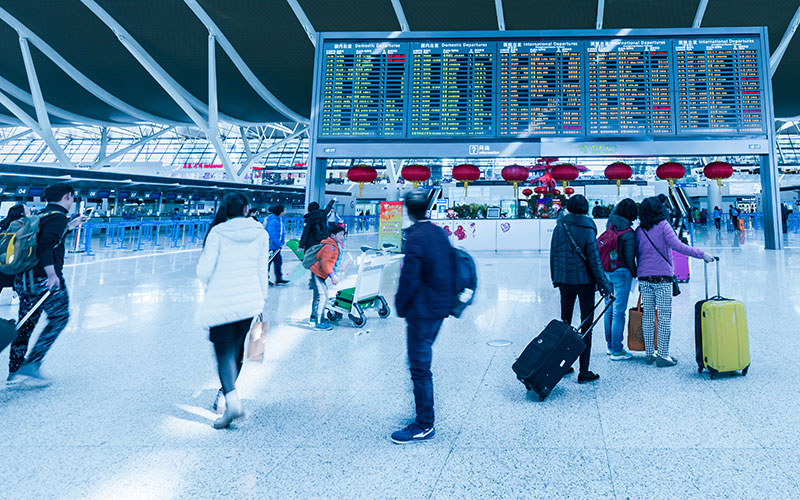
[576, 271]
[315, 228]
[425, 296]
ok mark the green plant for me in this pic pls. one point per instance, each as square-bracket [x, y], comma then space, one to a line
[470, 211]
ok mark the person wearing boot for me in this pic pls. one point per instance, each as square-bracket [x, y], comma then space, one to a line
[234, 269]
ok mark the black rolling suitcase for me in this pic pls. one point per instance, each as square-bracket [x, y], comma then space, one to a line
[550, 355]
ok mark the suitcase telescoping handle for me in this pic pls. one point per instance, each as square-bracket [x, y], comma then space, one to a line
[705, 275]
[598, 318]
[33, 309]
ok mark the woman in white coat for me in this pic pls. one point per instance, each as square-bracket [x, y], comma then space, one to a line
[233, 268]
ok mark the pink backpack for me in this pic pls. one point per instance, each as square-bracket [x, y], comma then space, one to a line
[608, 243]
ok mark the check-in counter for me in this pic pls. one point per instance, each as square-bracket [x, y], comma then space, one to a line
[499, 234]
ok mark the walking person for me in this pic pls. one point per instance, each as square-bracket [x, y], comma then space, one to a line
[32, 285]
[277, 238]
[14, 213]
[717, 218]
[315, 229]
[620, 268]
[576, 270]
[425, 296]
[733, 212]
[234, 269]
[327, 266]
[655, 240]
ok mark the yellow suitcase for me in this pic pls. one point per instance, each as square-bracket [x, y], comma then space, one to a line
[721, 337]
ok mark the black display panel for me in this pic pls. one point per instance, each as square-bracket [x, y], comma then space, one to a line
[488, 88]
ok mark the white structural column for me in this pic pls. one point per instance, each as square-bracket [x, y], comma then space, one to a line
[775, 58]
[101, 154]
[304, 21]
[501, 18]
[701, 11]
[601, 7]
[246, 143]
[141, 142]
[45, 130]
[243, 68]
[213, 107]
[31, 123]
[401, 15]
[166, 82]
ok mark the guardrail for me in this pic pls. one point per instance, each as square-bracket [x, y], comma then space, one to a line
[141, 235]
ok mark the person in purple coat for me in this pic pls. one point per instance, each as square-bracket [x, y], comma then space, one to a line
[655, 240]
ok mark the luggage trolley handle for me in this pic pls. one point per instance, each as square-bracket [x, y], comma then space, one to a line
[33, 309]
[705, 276]
[598, 318]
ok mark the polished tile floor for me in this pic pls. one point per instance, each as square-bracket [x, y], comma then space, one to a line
[128, 416]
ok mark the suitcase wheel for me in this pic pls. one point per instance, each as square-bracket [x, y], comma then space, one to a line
[746, 369]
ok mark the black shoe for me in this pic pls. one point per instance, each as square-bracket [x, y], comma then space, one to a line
[571, 370]
[281, 282]
[584, 378]
[271, 283]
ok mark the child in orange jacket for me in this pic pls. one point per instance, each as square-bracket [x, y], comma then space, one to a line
[325, 267]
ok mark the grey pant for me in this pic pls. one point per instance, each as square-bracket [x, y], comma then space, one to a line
[320, 300]
[57, 308]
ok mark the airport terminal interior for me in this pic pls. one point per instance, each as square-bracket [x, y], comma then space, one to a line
[321, 249]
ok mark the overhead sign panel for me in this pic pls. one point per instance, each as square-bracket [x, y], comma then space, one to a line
[636, 84]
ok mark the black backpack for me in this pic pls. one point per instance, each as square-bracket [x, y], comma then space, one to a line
[466, 281]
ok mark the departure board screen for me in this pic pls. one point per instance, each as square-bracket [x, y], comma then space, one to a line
[562, 86]
[452, 89]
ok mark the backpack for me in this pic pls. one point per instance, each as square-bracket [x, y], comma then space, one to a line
[608, 244]
[466, 281]
[310, 257]
[18, 245]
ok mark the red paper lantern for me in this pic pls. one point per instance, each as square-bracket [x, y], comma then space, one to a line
[415, 173]
[362, 174]
[556, 192]
[564, 172]
[540, 190]
[515, 174]
[718, 170]
[670, 171]
[619, 172]
[569, 191]
[527, 192]
[466, 173]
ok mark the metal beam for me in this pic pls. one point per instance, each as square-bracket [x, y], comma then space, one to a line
[501, 18]
[15, 137]
[175, 91]
[401, 15]
[76, 75]
[701, 11]
[301, 16]
[31, 123]
[101, 153]
[38, 104]
[775, 58]
[141, 142]
[246, 143]
[265, 152]
[213, 107]
[601, 7]
[243, 68]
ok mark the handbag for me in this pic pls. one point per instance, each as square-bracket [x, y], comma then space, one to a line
[676, 290]
[258, 334]
[635, 331]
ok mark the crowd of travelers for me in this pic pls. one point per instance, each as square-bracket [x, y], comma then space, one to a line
[238, 251]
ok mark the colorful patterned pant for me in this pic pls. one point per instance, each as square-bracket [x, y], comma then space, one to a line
[656, 296]
[57, 308]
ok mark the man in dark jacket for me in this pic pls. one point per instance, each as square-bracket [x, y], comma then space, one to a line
[31, 287]
[315, 228]
[576, 271]
[425, 296]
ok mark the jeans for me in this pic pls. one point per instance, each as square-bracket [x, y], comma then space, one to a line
[277, 263]
[585, 296]
[622, 280]
[228, 342]
[57, 308]
[420, 336]
[320, 298]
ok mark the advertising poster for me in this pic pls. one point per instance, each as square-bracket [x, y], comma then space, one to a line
[390, 224]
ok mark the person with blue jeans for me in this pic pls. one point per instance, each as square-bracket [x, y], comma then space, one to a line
[621, 277]
[425, 296]
[277, 238]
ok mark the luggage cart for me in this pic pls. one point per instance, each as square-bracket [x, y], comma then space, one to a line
[366, 294]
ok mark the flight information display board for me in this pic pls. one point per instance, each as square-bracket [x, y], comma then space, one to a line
[536, 87]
